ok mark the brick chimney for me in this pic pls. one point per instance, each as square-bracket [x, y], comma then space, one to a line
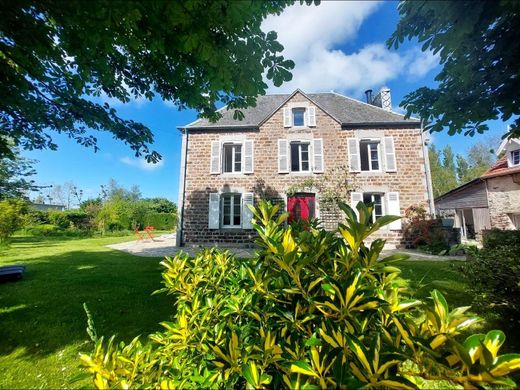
[383, 99]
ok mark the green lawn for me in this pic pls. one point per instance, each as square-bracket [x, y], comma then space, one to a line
[42, 322]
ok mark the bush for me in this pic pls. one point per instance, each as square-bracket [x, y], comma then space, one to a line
[43, 230]
[494, 273]
[495, 238]
[424, 232]
[314, 309]
[12, 217]
[161, 221]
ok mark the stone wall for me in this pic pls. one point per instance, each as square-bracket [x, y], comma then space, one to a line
[503, 200]
[266, 182]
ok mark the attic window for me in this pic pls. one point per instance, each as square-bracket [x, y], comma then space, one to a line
[515, 157]
[298, 116]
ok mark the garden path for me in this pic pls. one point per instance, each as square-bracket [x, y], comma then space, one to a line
[165, 246]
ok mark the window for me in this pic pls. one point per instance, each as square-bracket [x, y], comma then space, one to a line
[377, 200]
[300, 157]
[515, 157]
[231, 210]
[298, 116]
[369, 151]
[232, 158]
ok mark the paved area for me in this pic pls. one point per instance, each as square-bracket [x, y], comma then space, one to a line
[165, 246]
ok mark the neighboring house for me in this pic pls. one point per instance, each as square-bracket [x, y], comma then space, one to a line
[490, 201]
[287, 139]
[47, 207]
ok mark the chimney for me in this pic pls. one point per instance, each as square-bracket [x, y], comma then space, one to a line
[368, 94]
[383, 99]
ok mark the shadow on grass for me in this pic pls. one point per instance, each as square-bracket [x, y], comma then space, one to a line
[43, 312]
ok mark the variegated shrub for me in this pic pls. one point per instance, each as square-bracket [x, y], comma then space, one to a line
[313, 309]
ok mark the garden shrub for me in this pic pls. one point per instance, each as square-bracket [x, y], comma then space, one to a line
[43, 230]
[495, 238]
[161, 221]
[494, 273]
[12, 217]
[313, 309]
[424, 232]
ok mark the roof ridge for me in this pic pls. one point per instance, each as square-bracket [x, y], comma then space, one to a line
[368, 104]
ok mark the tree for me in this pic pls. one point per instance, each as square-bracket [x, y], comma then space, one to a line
[478, 44]
[57, 56]
[442, 168]
[11, 217]
[479, 158]
[15, 176]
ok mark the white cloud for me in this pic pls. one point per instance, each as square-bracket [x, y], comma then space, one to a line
[141, 163]
[421, 62]
[311, 36]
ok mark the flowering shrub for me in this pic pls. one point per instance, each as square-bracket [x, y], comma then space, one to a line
[422, 231]
[313, 309]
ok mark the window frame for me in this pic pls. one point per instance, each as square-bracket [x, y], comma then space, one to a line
[304, 116]
[381, 195]
[300, 143]
[513, 154]
[370, 142]
[232, 215]
[233, 145]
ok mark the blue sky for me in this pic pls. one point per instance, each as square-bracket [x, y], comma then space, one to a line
[336, 46]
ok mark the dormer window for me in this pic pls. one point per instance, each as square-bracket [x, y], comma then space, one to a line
[515, 157]
[298, 116]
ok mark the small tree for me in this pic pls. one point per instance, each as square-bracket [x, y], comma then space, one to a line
[11, 217]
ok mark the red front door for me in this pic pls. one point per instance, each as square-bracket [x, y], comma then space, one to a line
[301, 207]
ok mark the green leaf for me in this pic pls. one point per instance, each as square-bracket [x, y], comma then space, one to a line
[303, 368]
[506, 364]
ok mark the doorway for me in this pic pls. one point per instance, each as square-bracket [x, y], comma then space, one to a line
[301, 207]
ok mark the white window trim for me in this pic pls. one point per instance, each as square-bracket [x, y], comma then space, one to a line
[305, 124]
[383, 205]
[380, 162]
[309, 154]
[232, 210]
[233, 156]
[512, 158]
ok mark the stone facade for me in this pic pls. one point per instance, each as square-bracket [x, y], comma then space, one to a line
[409, 180]
[503, 200]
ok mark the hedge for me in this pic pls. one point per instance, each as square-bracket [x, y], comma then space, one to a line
[496, 238]
[161, 221]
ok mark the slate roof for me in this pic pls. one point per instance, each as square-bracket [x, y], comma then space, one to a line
[345, 110]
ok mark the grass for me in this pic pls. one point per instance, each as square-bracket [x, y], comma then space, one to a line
[42, 322]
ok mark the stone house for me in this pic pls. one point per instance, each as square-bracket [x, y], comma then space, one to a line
[287, 140]
[490, 201]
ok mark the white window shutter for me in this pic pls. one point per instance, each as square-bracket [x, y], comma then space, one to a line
[247, 215]
[353, 155]
[283, 156]
[215, 158]
[390, 155]
[311, 116]
[287, 122]
[248, 156]
[355, 198]
[214, 211]
[317, 147]
[394, 209]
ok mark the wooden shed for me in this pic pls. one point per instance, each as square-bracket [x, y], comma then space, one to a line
[469, 205]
